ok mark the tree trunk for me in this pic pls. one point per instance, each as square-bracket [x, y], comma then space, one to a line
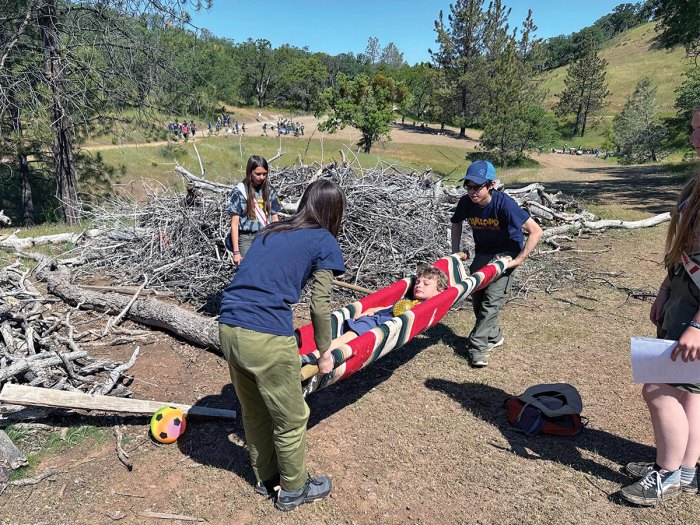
[27, 203]
[578, 121]
[586, 109]
[64, 164]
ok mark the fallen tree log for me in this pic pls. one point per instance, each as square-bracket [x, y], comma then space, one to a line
[38, 362]
[194, 328]
[579, 226]
[615, 223]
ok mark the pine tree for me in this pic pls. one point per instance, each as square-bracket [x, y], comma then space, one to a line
[459, 57]
[637, 130]
[512, 119]
[585, 90]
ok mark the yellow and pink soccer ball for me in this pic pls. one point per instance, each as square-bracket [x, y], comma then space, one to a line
[167, 424]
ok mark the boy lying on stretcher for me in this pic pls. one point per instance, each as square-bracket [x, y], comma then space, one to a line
[429, 282]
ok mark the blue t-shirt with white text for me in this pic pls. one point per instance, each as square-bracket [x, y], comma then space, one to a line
[497, 227]
[271, 276]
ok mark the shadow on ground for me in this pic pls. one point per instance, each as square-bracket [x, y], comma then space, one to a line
[486, 402]
[206, 441]
[645, 188]
[428, 130]
[324, 403]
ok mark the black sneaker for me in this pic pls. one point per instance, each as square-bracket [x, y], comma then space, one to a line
[641, 469]
[313, 489]
[267, 488]
[692, 487]
[653, 488]
[638, 469]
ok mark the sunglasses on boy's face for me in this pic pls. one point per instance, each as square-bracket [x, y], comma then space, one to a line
[474, 188]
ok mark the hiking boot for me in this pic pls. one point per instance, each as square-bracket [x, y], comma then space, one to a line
[267, 488]
[313, 489]
[653, 488]
[641, 469]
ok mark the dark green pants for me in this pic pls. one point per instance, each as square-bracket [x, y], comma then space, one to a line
[487, 305]
[265, 373]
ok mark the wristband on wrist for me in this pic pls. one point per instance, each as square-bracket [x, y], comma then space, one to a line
[694, 324]
[236, 252]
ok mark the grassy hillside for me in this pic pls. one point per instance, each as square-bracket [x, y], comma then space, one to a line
[632, 56]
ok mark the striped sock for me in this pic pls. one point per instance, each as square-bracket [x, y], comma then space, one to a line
[687, 474]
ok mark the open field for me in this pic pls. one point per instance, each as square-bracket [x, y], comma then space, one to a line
[418, 437]
[224, 155]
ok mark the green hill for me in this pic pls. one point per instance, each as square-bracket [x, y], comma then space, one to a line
[631, 56]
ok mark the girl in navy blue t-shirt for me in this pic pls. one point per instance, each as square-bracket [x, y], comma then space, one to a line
[257, 338]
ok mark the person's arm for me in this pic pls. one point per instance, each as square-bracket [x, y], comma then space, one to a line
[688, 346]
[321, 317]
[275, 218]
[534, 234]
[235, 221]
[371, 311]
[456, 235]
[660, 301]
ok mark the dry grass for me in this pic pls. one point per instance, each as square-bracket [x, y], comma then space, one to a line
[632, 56]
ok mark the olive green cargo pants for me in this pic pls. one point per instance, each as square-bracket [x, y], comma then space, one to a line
[487, 305]
[265, 373]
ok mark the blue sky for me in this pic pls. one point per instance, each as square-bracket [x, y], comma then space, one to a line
[334, 26]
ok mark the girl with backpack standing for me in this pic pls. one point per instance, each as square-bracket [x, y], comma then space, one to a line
[257, 338]
[675, 408]
[253, 204]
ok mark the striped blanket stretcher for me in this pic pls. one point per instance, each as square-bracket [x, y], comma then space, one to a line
[396, 332]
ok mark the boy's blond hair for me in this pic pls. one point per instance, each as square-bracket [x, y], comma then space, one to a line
[437, 274]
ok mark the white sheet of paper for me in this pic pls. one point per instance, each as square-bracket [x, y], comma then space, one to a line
[651, 362]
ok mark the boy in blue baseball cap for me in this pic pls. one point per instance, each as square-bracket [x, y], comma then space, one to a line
[498, 223]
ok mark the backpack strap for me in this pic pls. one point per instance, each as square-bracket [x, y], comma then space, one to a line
[259, 213]
[691, 267]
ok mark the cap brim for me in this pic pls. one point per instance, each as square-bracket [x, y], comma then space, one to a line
[476, 179]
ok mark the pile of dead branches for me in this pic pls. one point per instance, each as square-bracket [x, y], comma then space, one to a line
[395, 221]
[40, 347]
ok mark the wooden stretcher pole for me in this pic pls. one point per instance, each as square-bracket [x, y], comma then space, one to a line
[352, 287]
[308, 371]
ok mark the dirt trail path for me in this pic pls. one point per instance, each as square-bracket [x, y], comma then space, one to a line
[401, 134]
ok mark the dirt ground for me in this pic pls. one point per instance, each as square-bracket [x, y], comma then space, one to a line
[418, 437]
[406, 133]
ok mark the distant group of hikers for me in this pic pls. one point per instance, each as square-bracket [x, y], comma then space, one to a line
[182, 130]
[276, 259]
[567, 150]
